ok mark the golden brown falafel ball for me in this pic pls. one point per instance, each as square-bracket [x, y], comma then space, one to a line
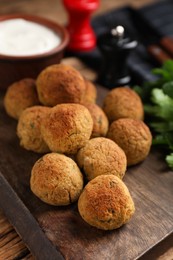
[67, 128]
[28, 129]
[60, 83]
[123, 102]
[133, 136]
[19, 96]
[90, 93]
[56, 179]
[106, 203]
[101, 156]
[100, 120]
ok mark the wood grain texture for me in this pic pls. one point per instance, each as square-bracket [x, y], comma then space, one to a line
[150, 184]
[11, 245]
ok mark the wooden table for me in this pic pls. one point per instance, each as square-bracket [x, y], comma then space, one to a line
[11, 245]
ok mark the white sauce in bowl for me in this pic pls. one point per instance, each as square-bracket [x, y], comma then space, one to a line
[19, 37]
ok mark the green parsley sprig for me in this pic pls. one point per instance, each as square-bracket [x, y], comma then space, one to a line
[158, 106]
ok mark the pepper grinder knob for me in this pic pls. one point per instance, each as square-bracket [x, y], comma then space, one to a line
[115, 49]
[82, 37]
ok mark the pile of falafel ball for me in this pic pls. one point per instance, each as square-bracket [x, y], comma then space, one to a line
[58, 116]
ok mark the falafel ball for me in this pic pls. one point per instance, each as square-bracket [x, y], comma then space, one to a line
[60, 83]
[67, 128]
[106, 203]
[123, 102]
[56, 179]
[133, 136]
[100, 120]
[101, 156]
[90, 92]
[19, 96]
[28, 129]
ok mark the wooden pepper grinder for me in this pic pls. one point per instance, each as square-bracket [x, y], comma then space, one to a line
[115, 49]
[82, 37]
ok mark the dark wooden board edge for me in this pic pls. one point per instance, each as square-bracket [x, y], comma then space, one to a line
[159, 249]
[21, 218]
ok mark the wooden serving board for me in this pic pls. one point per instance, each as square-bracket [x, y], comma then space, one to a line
[59, 232]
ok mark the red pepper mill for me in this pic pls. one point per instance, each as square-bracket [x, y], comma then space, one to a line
[82, 37]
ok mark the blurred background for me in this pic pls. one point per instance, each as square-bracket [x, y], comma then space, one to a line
[54, 9]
